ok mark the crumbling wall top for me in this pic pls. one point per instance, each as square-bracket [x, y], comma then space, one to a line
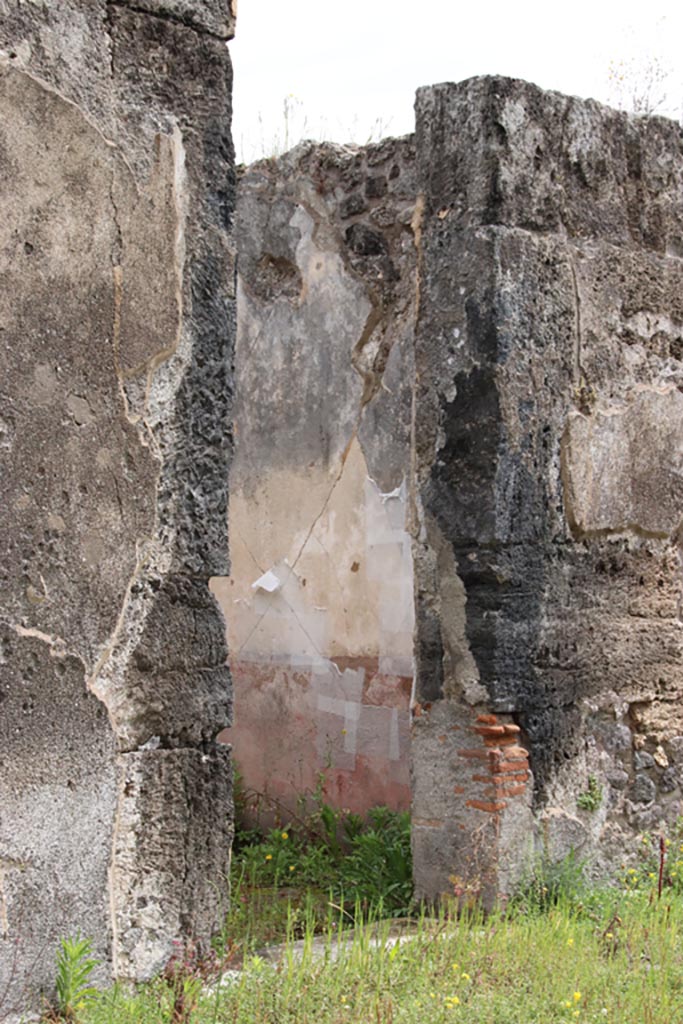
[502, 151]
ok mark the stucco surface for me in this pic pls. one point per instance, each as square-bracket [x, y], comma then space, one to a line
[116, 316]
[319, 600]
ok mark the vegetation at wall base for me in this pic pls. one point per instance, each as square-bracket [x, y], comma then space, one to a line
[287, 880]
[561, 951]
[563, 965]
[74, 966]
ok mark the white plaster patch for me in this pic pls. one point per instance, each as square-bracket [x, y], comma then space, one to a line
[269, 582]
[348, 710]
[394, 746]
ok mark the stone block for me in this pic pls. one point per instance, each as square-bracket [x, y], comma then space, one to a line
[623, 465]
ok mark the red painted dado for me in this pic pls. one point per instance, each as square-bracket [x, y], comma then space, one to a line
[343, 725]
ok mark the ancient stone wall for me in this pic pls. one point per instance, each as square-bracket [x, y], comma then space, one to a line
[486, 317]
[319, 603]
[116, 319]
[548, 448]
[458, 469]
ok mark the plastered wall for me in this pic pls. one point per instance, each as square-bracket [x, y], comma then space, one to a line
[116, 319]
[319, 602]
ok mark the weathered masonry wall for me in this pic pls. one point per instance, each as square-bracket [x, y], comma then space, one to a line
[459, 470]
[484, 321]
[116, 319]
[548, 446]
[319, 603]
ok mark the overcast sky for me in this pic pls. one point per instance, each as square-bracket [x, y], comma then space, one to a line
[348, 70]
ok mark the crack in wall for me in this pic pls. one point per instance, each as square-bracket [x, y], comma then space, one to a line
[322, 511]
[7, 864]
[371, 375]
[248, 549]
[370, 389]
[337, 577]
[112, 874]
[176, 19]
[95, 681]
[578, 342]
[57, 645]
[303, 628]
[152, 560]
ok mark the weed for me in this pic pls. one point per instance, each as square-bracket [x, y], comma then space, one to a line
[185, 975]
[549, 884]
[74, 967]
[554, 967]
[323, 847]
[378, 868]
[591, 798]
[288, 878]
[659, 862]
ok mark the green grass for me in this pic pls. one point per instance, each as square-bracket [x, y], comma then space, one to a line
[560, 952]
[617, 959]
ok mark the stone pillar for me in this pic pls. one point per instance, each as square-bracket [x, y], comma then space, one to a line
[548, 487]
[117, 320]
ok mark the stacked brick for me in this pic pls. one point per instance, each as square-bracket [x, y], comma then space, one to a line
[501, 764]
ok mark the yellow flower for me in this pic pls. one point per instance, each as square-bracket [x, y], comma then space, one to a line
[609, 935]
[453, 1000]
[465, 976]
[456, 967]
[269, 856]
[432, 996]
[291, 867]
[568, 1005]
[577, 997]
[285, 835]
[570, 941]
[343, 999]
[343, 732]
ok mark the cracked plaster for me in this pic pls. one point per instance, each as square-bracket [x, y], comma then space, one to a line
[117, 306]
[318, 484]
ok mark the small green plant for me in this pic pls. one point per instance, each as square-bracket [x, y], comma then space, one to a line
[378, 868]
[74, 967]
[550, 884]
[591, 798]
[286, 878]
